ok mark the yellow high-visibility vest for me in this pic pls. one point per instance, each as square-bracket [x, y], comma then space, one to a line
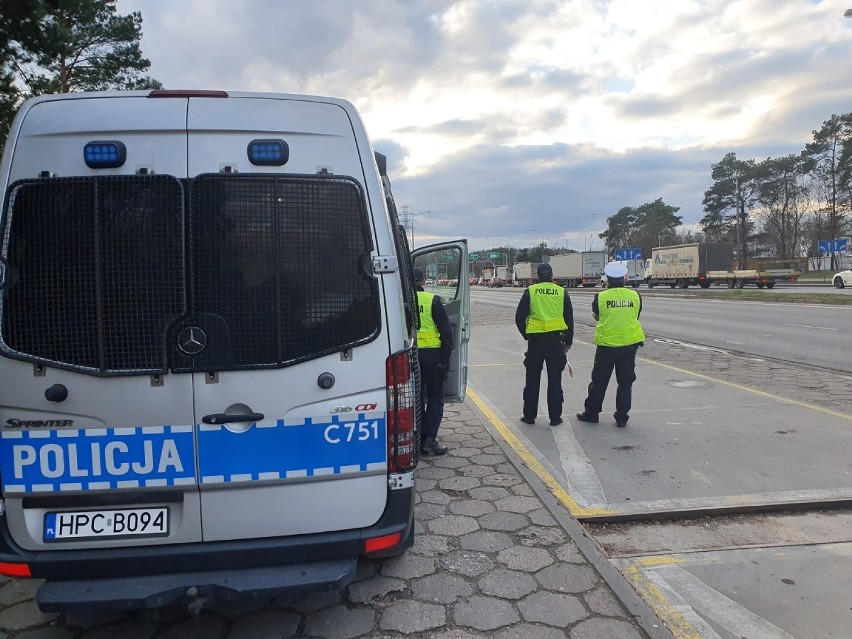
[547, 305]
[428, 335]
[618, 318]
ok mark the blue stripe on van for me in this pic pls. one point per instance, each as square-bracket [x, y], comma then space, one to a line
[64, 460]
[96, 459]
[285, 450]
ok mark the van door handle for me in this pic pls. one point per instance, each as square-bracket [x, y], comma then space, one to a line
[224, 418]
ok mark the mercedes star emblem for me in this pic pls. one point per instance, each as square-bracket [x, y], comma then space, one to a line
[192, 340]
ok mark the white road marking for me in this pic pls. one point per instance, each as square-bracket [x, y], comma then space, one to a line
[583, 483]
[714, 605]
[819, 328]
[679, 604]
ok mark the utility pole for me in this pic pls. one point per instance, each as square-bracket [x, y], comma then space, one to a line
[407, 219]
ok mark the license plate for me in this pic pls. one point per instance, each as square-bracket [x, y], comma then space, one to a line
[98, 524]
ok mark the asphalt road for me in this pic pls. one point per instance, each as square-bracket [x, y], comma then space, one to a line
[714, 501]
[812, 334]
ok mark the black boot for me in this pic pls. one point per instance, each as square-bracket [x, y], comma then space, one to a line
[431, 445]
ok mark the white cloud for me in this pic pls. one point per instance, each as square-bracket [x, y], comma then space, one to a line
[498, 112]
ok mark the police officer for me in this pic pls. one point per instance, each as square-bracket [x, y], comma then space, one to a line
[545, 319]
[435, 343]
[618, 336]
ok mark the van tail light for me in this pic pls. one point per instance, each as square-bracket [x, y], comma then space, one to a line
[384, 542]
[403, 387]
[15, 570]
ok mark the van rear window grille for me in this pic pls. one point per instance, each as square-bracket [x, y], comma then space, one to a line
[109, 271]
[99, 269]
[280, 269]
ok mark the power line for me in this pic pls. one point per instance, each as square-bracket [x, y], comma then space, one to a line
[407, 217]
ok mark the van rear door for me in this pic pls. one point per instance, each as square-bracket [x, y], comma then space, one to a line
[97, 443]
[446, 266]
[284, 330]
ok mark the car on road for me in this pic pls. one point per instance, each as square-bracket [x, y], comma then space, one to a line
[842, 279]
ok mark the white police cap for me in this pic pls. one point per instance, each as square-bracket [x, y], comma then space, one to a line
[615, 269]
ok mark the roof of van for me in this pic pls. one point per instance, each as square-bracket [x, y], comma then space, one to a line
[185, 93]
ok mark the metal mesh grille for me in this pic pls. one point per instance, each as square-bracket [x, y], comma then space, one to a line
[280, 269]
[406, 270]
[99, 268]
[418, 415]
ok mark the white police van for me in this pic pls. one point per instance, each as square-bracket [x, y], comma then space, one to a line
[208, 366]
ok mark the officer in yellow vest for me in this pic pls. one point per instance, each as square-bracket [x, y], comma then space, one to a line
[545, 318]
[618, 336]
[434, 346]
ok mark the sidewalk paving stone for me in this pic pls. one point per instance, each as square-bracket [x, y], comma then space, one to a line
[490, 559]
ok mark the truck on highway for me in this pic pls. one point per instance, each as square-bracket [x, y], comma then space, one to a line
[487, 275]
[683, 265]
[635, 273]
[578, 269]
[525, 273]
[502, 275]
[707, 263]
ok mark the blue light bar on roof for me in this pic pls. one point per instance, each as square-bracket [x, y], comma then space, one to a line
[268, 152]
[104, 154]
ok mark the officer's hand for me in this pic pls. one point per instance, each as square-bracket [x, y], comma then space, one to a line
[442, 370]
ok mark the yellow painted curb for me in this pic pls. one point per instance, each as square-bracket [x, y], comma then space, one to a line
[674, 620]
[533, 464]
[667, 613]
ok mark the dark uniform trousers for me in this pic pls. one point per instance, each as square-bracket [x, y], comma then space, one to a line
[544, 348]
[622, 359]
[432, 392]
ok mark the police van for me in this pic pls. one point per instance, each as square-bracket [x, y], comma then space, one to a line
[208, 364]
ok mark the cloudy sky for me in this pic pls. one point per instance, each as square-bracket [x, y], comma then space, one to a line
[525, 120]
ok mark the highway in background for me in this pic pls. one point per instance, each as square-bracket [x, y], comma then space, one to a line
[812, 334]
[727, 500]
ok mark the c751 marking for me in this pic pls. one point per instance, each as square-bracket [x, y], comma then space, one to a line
[357, 431]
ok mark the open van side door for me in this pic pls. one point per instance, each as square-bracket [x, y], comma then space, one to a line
[446, 268]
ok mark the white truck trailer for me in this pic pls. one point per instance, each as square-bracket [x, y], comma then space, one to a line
[568, 269]
[635, 273]
[525, 273]
[578, 269]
